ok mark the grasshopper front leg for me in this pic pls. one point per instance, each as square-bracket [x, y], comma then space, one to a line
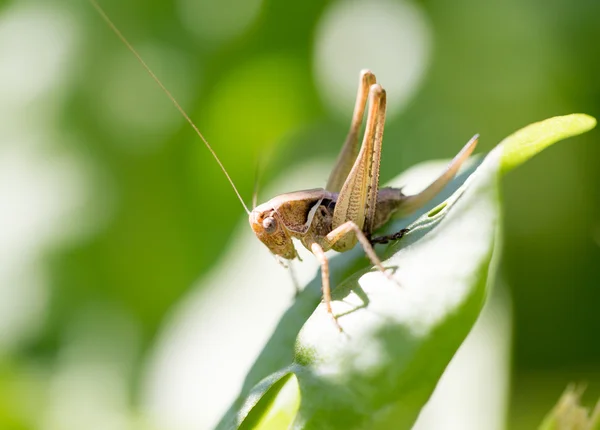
[328, 242]
[318, 252]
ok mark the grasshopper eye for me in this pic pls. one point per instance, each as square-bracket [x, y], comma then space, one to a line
[269, 224]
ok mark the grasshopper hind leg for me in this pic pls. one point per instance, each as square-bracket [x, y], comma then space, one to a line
[350, 149]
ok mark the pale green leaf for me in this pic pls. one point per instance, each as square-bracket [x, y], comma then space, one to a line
[397, 339]
[525, 143]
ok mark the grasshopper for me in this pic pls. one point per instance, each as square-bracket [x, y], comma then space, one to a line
[351, 206]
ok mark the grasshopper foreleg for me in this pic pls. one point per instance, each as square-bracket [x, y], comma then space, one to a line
[318, 252]
[350, 227]
[295, 282]
[329, 240]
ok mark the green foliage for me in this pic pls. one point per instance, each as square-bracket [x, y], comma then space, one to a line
[111, 206]
[397, 340]
[525, 143]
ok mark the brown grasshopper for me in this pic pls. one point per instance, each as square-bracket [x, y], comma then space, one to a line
[351, 206]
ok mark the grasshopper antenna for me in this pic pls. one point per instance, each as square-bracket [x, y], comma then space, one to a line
[168, 93]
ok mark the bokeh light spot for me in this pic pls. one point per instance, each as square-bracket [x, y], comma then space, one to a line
[38, 193]
[214, 22]
[32, 39]
[392, 38]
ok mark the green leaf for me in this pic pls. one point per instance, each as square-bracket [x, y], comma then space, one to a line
[277, 407]
[397, 339]
[525, 143]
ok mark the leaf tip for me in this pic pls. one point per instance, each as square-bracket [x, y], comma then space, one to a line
[532, 139]
[588, 121]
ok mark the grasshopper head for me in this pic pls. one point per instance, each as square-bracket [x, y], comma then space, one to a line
[271, 231]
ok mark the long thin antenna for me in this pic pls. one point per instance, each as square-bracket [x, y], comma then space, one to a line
[160, 84]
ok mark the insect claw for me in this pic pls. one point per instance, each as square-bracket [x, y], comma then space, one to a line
[337, 324]
[391, 278]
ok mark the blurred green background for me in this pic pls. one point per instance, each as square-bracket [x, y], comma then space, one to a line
[111, 208]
